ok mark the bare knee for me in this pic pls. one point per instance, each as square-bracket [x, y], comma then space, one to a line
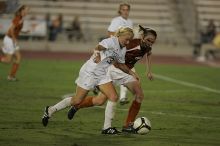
[139, 96]
[17, 59]
[113, 98]
[75, 101]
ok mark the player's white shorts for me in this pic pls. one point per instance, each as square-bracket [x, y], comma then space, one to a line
[119, 77]
[87, 80]
[8, 46]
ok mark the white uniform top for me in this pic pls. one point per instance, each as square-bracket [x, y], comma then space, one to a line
[118, 22]
[92, 74]
[112, 53]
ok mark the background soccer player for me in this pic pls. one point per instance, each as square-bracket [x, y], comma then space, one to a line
[10, 43]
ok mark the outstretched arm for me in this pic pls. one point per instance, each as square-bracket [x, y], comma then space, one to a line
[148, 66]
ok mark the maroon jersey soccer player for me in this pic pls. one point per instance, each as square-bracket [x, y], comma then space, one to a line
[136, 50]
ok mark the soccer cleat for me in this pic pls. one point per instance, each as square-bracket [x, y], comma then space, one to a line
[124, 101]
[129, 129]
[71, 112]
[45, 117]
[12, 79]
[110, 131]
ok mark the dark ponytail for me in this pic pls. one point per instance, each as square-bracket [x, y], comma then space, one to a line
[146, 31]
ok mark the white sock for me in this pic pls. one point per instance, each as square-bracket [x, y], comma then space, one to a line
[123, 92]
[109, 114]
[66, 102]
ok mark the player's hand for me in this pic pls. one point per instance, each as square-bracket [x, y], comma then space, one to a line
[150, 76]
[97, 57]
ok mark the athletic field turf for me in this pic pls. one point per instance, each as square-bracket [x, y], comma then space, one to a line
[182, 103]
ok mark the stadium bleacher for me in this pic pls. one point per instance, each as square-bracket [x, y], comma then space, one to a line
[95, 16]
[162, 15]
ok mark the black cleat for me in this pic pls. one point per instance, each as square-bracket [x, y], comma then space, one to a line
[124, 101]
[71, 112]
[45, 117]
[129, 129]
[110, 131]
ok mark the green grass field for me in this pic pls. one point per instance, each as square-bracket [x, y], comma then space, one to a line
[181, 115]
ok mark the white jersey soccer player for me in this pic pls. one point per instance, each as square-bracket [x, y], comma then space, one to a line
[94, 73]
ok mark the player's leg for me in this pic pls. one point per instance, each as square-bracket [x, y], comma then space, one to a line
[66, 102]
[89, 101]
[92, 101]
[7, 58]
[106, 89]
[80, 96]
[135, 88]
[15, 66]
[50, 110]
[123, 93]
[111, 94]
[109, 111]
[107, 92]
[109, 116]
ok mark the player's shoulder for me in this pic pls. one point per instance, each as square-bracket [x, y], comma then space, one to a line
[110, 41]
[112, 38]
[117, 18]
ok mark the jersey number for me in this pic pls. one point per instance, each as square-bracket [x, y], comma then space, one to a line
[110, 60]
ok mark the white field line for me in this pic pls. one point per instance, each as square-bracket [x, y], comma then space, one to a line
[155, 112]
[165, 78]
[170, 114]
[167, 114]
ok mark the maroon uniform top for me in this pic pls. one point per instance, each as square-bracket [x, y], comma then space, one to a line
[18, 23]
[135, 51]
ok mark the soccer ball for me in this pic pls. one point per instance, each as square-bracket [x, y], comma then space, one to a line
[142, 125]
